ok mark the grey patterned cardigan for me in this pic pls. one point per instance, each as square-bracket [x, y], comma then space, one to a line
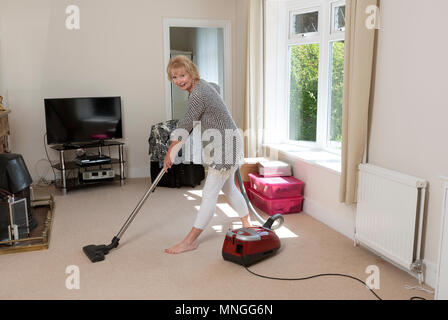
[225, 149]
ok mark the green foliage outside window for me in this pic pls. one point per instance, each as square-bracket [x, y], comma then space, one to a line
[304, 91]
[337, 89]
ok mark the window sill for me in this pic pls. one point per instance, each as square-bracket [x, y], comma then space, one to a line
[313, 156]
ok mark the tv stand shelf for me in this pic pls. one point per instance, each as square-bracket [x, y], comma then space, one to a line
[71, 172]
[70, 165]
[95, 144]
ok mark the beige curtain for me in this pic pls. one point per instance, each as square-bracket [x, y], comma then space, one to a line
[358, 92]
[253, 104]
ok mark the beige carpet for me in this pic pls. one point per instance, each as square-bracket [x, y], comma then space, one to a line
[139, 269]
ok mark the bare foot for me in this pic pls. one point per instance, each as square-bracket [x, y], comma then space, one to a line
[182, 247]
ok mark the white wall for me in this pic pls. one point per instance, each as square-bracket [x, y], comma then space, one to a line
[117, 51]
[410, 111]
[321, 194]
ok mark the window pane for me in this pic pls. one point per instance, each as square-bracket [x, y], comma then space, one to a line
[305, 22]
[336, 90]
[339, 18]
[303, 92]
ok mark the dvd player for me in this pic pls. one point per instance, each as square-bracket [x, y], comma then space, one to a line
[96, 159]
[98, 175]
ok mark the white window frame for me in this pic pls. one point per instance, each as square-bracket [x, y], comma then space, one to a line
[324, 37]
[334, 36]
[310, 38]
[298, 36]
[334, 5]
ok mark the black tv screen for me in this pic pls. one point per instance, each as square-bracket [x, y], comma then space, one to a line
[71, 120]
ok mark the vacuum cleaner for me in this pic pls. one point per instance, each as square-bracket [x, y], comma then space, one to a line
[246, 246]
[249, 245]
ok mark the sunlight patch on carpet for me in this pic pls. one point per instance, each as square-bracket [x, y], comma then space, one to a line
[228, 210]
[188, 197]
[283, 233]
[198, 193]
[217, 228]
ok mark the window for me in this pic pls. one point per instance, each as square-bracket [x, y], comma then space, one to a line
[337, 17]
[303, 91]
[336, 74]
[313, 50]
[336, 85]
[305, 23]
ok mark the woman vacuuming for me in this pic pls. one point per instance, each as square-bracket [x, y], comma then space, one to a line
[206, 106]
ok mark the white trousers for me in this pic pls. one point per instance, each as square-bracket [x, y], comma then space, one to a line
[214, 183]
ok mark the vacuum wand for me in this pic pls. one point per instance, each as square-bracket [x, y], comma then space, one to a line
[97, 252]
[140, 204]
[273, 223]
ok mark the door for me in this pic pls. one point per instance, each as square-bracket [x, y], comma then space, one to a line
[208, 42]
[179, 98]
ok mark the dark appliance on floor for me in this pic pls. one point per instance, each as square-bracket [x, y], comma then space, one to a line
[182, 174]
[16, 179]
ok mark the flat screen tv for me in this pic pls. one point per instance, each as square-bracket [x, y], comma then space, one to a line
[75, 120]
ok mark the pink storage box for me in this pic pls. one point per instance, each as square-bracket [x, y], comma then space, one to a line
[274, 206]
[276, 187]
[272, 168]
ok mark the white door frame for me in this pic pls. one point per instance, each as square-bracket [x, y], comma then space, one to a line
[198, 23]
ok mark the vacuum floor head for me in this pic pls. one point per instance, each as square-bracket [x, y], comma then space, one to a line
[96, 253]
[246, 246]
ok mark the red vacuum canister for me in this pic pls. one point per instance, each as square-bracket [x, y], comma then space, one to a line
[246, 246]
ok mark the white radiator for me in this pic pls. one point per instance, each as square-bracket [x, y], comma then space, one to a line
[390, 214]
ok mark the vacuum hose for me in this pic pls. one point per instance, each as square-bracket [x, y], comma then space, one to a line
[278, 218]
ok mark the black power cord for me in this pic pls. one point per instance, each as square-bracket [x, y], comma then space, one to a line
[323, 275]
[315, 276]
[48, 158]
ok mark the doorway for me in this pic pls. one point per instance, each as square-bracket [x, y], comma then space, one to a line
[207, 44]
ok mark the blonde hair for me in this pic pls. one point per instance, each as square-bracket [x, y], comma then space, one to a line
[182, 62]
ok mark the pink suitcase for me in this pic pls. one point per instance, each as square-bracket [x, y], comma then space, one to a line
[276, 187]
[274, 206]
